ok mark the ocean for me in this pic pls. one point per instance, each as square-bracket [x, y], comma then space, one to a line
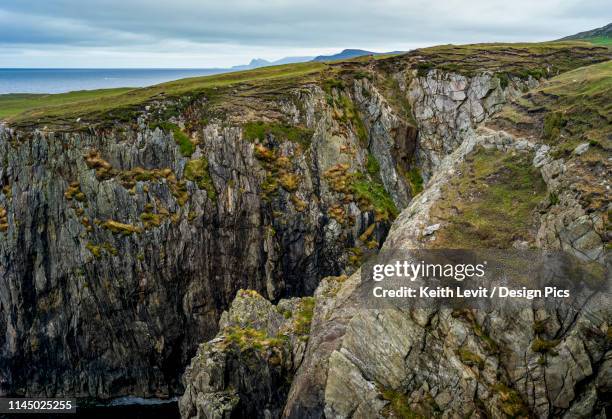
[123, 408]
[60, 80]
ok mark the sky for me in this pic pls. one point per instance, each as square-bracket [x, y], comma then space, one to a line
[222, 33]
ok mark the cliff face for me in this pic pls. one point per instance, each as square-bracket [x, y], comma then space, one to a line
[515, 183]
[447, 106]
[545, 361]
[206, 399]
[246, 370]
[123, 239]
[122, 246]
[371, 363]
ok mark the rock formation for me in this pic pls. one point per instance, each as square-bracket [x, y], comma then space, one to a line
[126, 233]
[365, 363]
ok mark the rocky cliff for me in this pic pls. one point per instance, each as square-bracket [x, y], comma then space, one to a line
[246, 370]
[519, 182]
[123, 245]
[518, 189]
[126, 231]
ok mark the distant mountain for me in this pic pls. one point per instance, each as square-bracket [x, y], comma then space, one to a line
[351, 53]
[345, 55]
[602, 36]
[290, 60]
[260, 62]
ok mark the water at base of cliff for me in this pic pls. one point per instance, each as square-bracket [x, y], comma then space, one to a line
[166, 410]
[132, 411]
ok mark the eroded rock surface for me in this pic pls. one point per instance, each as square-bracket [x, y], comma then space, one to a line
[447, 106]
[537, 361]
[124, 235]
[246, 370]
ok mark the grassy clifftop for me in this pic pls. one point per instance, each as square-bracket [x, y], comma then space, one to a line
[539, 60]
[121, 103]
[117, 105]
[570, 108]
[495, 200]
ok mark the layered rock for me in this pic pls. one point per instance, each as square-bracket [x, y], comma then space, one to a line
[545, 362]
[125, 234]
[447, 106]
[246, 370]
[122, 246]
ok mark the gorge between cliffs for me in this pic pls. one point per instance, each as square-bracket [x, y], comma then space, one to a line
[200, 239]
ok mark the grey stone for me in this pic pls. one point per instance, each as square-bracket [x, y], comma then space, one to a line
[429, 230]
[581, 149]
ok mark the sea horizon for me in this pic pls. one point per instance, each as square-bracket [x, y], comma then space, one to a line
[62, 80]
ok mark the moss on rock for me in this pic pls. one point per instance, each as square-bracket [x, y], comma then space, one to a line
[492, 204]
[3, 219]
[259, 130]
[120, 228]
[197, 171]
[470, 358]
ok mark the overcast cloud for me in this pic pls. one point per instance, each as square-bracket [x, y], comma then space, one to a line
[203, 33]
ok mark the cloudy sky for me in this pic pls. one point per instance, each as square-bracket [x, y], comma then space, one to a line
[220, 33]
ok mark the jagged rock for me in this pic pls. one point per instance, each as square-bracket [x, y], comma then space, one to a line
[447, 105]
[431, 361]
[429, 230]
[119, 247]
[246, 370]
[581, 149]
[540, 361]
[541, 156]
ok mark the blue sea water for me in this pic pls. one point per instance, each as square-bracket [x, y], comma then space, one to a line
[59, 80]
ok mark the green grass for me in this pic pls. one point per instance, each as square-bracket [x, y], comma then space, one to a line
[186, 147]
[553, 123]
[372, 165]
[470, 358]
[367, 190]
[151, 220]
[510, 401]
[567, 110]
[586, 81]
[95, 250]
[423, 68]
[123, 105]
[605, 41]
[303, 317]
[492, 204]
[553, 198]
[16, 103]
[503, 80]
[374, 194]
[544, 346]
[259, 130]
[399, 405]
[581, 101]
[415, 180]
[121, 228]
[330, 84]
[197, 171]
[518, 59]
[93, 105]
[246, 338]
